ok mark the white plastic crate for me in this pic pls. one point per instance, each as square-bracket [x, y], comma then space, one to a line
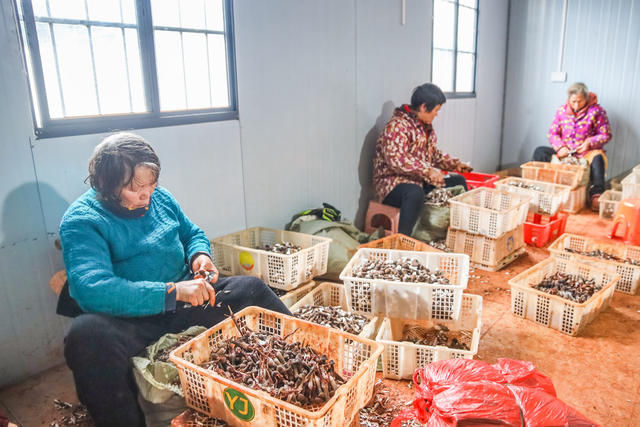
[292, 297]
[546, 198]
[237, 254]
[629, 274]
[609, 201]
[484, 252]
[400, 359]
[631, 186]
[558, 173]
[553, 311]
[488, 211]
[576, 201]
[210, 393]
[376, 297]
[329, 294]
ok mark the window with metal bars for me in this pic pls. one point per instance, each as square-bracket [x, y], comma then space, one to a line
[105, 65]
[453, 59]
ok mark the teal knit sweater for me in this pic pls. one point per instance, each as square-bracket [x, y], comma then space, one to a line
[121, 266]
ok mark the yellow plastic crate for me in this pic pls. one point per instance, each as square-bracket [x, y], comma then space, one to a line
[209, 393]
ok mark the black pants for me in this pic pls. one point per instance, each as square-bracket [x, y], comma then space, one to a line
[98, 347]
[596, 175]
[410, 198]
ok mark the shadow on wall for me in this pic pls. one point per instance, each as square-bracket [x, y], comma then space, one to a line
[365, 165]
[22, 213]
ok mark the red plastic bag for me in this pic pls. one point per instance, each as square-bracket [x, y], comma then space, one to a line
[521, 373]
[470, 403]
[472, 392]
[475, 403]
[541, 409]
[441, 374]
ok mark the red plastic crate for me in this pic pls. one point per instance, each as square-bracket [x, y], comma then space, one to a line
[542, 229]
[475, 180]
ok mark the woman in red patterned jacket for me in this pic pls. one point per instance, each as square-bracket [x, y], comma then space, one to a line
[407, 163]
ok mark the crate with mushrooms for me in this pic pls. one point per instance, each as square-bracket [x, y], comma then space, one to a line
[267, 367]
[405, 284]
[282, 259]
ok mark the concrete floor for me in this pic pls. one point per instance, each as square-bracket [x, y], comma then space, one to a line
[597, 373]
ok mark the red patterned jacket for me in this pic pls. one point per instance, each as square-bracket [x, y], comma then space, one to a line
[405, 152]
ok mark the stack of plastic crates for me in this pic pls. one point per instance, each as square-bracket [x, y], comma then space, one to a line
[214, 395]
[487, 225]
[423, 306]
[575, 176]
[544, 222]
[289, 275]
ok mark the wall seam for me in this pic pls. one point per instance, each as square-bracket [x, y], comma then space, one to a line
[504, 86]
[242, 169]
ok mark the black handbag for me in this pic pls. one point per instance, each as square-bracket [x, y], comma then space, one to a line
[67, 306]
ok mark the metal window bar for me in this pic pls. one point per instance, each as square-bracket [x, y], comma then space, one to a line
[126, 58]
[91, 22]
[57, 62]
[154, 117]
[93, 60]
[206, 43]
[455, 45]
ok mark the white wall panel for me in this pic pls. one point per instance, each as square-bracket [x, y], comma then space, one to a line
[201, 166]
[297, 101]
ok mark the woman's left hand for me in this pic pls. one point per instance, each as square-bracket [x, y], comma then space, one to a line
[584, 147]
[463, 168]
[203, 262]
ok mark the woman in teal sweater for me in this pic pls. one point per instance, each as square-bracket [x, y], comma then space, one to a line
[128, 250]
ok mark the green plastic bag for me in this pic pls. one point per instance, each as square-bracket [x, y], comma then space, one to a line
[160, 393]
[345, 239]
[433, 222]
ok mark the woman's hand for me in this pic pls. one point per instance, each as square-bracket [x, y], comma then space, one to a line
[463, 168]
[203, 262]
[435, 177]
[562, 152]
[195, 292]
[584, 147]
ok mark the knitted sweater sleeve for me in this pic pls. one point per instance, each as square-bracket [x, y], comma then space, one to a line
[191, 236]
[92, 282]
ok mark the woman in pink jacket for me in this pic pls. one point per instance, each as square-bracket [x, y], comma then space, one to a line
[580, 128]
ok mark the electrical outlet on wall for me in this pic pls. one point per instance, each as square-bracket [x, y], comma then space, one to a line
[559, 76]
